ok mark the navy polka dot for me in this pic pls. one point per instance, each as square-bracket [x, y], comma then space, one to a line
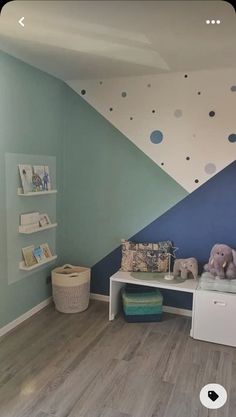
[83, 92]
[212, 113]
[156, 136]
[232, 138]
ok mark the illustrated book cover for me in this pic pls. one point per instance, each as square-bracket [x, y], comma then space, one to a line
[46, 250]
[41, 178]
[39, 254]
[26, 175]
[44, 220]
[28, 255]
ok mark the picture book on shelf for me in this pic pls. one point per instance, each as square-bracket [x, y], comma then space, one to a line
[39, 254]
[44, 220]
[26, 175]
[46, 250]
[29, 219]
[28, 255]
[41, 179]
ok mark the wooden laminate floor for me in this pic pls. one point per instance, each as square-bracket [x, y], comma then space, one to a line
[81, 365]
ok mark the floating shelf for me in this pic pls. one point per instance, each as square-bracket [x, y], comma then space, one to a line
[33, 194]
[23, 267]
[38, 229]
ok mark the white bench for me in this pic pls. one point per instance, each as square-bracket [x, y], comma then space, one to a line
[118, 280]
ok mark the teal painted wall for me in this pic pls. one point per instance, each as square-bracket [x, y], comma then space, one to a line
[108, 189]
[112, 189]
[32, 105]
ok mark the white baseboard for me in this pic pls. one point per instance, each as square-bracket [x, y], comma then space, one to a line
[99, 297]
[166, 309]
[25, 316]
[179, 311]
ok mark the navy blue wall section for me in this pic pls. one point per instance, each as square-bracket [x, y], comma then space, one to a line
[205, 217]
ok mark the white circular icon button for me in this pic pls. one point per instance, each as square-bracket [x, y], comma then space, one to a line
[213, 396]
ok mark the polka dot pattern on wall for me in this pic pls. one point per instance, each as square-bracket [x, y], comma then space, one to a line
[83, 92]
[123, 94]
[212, 113]
[232, 138]
[156, 137]
[210, 168]
[110, 109]
[187, 158]
[196, 181]
[233, 88]
[178, 113]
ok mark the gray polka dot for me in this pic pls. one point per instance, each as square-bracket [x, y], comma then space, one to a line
[233, 88]
[210, 168]
[178, 113]
[123, 94]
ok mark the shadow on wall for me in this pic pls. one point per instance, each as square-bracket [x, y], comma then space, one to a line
[205, 217]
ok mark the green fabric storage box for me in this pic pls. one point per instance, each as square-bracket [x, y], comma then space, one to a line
[142, 305]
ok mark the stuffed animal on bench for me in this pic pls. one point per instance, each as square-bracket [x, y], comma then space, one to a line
[222, 262]
[185, 268]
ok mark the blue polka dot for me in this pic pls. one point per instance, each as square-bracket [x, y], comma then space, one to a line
[156, 136]
[232, 138]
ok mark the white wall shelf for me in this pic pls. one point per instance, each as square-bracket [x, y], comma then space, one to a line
[36, 193]
[38, 229]
[23, 267]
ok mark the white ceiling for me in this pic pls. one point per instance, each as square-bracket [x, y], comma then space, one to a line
[104, 39]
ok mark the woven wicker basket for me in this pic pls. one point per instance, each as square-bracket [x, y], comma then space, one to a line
[71, 288]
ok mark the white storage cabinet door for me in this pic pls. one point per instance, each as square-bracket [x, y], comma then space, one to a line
[214, 318]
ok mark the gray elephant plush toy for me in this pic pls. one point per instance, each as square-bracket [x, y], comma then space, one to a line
[222, 262]
[185, 268]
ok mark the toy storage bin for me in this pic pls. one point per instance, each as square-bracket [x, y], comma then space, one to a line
[141, 304]
[71, 288]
